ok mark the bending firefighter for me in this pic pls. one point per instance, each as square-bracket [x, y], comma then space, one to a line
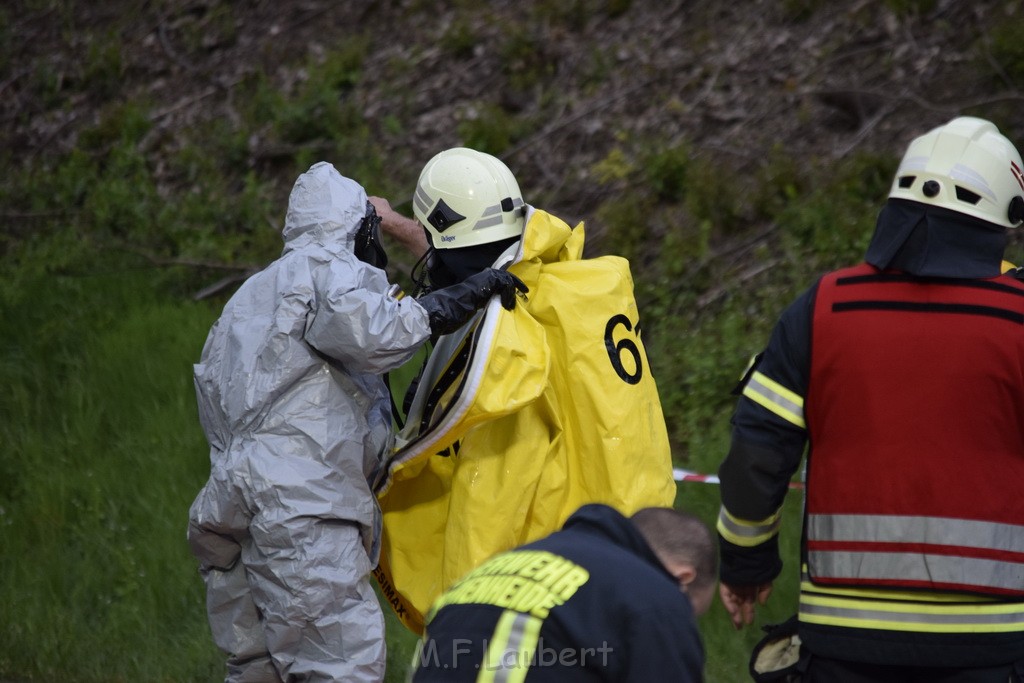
[606, 598]
[296, 415]
[520, 416]
[904, 374]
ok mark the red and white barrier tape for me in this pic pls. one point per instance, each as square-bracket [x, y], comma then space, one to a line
[686, 475]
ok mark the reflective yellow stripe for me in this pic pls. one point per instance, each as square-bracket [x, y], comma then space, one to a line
[747, 533]
[893, 595]
[896, 595]
[511, 650]
[771, 395]
[908, 611]
[750, 364]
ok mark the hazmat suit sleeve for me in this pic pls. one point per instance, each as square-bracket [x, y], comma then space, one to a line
[359, 324]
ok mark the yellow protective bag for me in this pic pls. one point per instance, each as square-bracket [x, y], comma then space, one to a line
[519, 419]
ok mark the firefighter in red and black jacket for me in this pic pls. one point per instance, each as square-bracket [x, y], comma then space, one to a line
[904, 377]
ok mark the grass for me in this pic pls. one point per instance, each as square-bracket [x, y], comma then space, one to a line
[102, 457]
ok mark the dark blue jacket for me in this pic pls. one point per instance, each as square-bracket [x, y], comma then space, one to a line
[591, 602]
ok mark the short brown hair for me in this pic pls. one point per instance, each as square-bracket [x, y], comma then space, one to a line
[680, 536]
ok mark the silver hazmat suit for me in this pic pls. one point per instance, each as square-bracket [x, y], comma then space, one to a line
[297, 415]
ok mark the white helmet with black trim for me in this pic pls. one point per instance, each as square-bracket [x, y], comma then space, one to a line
[966, 166]
[464, 198]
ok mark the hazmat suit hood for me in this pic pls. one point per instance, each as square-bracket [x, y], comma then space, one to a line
[930, 241]
[324, 207]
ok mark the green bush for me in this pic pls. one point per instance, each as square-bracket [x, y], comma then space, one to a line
[1006, 48]
[911, 7]
[460, 38]
[104, 66]
[491, 129]
[666, 170]
[525, 56]
[800, 10]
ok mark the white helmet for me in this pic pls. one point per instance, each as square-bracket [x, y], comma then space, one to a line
[464, 198]
[966, 166]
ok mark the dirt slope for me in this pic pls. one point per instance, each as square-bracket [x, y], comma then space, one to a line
[819, 79]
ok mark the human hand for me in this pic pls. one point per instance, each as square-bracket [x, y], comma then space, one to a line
[740, 601]
[383, 208]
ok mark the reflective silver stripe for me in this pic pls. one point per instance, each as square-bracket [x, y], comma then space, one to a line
[915, 566]
[976, 180]
[492, 215]
[421, 199]
[770, 394]
[511, 650]
[748, 530]
[523, 651]
[973, 615]
[964, 533]
[488, 222]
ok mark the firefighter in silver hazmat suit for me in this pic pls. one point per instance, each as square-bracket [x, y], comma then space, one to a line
[291, 400]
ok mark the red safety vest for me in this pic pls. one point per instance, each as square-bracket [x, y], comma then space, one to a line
[915, 415]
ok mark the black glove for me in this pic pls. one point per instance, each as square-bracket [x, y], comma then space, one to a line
[451, 307]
